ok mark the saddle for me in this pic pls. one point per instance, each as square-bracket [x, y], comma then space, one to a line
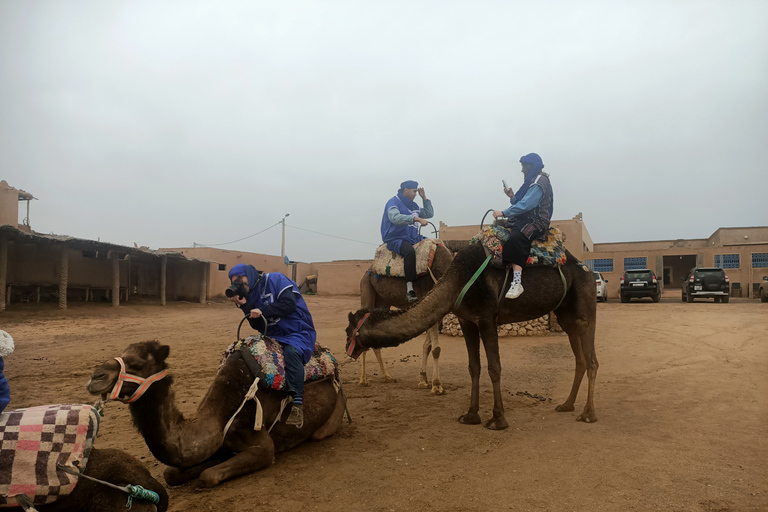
[267, 354]
[34, 440]
[549, 253]
[389, 263]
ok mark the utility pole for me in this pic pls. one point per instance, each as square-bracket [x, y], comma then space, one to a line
[282, 246]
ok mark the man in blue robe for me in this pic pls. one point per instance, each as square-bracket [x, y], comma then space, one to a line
[400, 228]
[527, 219]
[277, 299]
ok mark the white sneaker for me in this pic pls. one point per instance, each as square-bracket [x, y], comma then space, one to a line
[514, 291]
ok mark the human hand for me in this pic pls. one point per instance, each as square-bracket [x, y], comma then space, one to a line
[421, 192]
[237, 300]
[255, 313]
[420, 221]
[509, 192]
[497, 214]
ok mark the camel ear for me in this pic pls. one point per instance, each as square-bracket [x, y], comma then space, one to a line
[351, 317]
[162, 353]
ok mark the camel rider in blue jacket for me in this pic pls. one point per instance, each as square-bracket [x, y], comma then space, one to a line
[527, 219]
[6, 349]
[277, 299]
[399, 228]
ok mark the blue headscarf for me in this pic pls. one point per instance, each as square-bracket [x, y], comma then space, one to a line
[410, 204]
[537, 165]
[249, 271]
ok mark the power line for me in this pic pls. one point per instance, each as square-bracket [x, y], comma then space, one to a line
[332, 236]
[244, 238]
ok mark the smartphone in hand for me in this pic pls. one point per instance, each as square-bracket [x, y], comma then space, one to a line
[504, 182]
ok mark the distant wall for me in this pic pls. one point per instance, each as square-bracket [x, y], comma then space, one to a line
[9, 205]
[340, 277]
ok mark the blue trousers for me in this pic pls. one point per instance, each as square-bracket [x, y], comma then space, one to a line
[294, 373]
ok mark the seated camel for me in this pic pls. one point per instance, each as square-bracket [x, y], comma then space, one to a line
[567, 289]
[202, 446]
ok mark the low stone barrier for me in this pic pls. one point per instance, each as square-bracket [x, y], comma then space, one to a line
[538, 327]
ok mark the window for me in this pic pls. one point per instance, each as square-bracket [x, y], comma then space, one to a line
[635, 263]
[760, 260]
[727, 260]
[602, 265]
[222, 266]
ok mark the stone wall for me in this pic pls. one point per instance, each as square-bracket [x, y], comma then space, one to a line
[538, 327]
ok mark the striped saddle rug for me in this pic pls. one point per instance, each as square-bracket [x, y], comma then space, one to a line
[34, 440]
[549, 253]
[389, 263]
[268, 354]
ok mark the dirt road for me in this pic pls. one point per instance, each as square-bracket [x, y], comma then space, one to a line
[681, 400]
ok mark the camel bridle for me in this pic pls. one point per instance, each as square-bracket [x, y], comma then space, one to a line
[143, 383]
[355, 343]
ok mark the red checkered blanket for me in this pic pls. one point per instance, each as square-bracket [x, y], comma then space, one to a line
[34, 440]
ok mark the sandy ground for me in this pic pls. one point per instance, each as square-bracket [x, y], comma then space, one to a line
[681, 402]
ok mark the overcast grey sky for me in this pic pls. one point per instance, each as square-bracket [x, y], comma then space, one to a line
[171, 122]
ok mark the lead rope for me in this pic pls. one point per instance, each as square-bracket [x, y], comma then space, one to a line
[471, 282]
[503, 285]
[134, 491]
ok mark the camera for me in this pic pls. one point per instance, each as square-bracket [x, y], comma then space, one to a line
[237, 289]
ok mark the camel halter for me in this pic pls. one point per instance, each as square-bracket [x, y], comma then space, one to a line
[354, 343]
[127, 377]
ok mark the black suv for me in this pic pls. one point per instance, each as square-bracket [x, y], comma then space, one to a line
[706, 283]
[639, 283]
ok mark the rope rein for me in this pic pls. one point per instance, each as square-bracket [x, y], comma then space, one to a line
[133, 491]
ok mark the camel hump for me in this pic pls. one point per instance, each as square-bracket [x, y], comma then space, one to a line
[62, 432]
[270, 364]
[389, 263]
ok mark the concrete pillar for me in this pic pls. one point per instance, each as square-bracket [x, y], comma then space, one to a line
[203, 282]
[115, 279]
[63, 278]
[3, 270]
[163, 266]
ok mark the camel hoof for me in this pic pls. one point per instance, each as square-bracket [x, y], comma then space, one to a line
[437, 390]
[496, 424]
[388, 379]
[197, 485]
[174, 476]
[564, 408]
[363, 383]
[470, 419]
[587, 417]
[423, 384]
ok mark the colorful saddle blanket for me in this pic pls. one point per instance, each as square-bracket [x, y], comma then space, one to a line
[34, 440]
[389, 263]
[269, 356]
[549, 253]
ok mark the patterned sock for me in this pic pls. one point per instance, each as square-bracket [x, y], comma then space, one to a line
[297, 400]
[517, 276]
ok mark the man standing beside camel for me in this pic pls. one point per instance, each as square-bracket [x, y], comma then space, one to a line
[528, 218]
[399, 228]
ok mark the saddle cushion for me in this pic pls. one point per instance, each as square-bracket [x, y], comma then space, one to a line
[549, 253]
[389, 263]
[34, 440]
[268, 353]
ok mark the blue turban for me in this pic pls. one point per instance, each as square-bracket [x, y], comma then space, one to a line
[537, 165]
[409, 184]
[249, 271]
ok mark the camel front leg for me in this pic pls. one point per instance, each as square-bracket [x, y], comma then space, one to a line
[257, 456]
[491, 343]
[472, 340]
[431, 344]
[588, 348]
[386, 377]
[177, 476]
[363, 377]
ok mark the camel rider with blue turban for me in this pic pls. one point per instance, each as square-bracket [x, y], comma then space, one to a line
[527, 219]
[277, 299]
[400, 231]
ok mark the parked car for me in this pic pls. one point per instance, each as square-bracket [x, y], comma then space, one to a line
[763, 290]
[602, 287]
[706, 283]
[639, 283]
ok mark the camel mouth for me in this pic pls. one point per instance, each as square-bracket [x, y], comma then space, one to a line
[100, 384]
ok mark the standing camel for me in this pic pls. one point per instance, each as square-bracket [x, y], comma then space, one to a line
[385, 291]
[199, 447]
[480, 312]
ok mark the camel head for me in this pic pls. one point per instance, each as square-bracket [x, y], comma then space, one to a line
[354, 346]
[144, 360]
[365, 330]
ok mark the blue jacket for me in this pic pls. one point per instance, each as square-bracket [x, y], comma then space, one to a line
[5, 390]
